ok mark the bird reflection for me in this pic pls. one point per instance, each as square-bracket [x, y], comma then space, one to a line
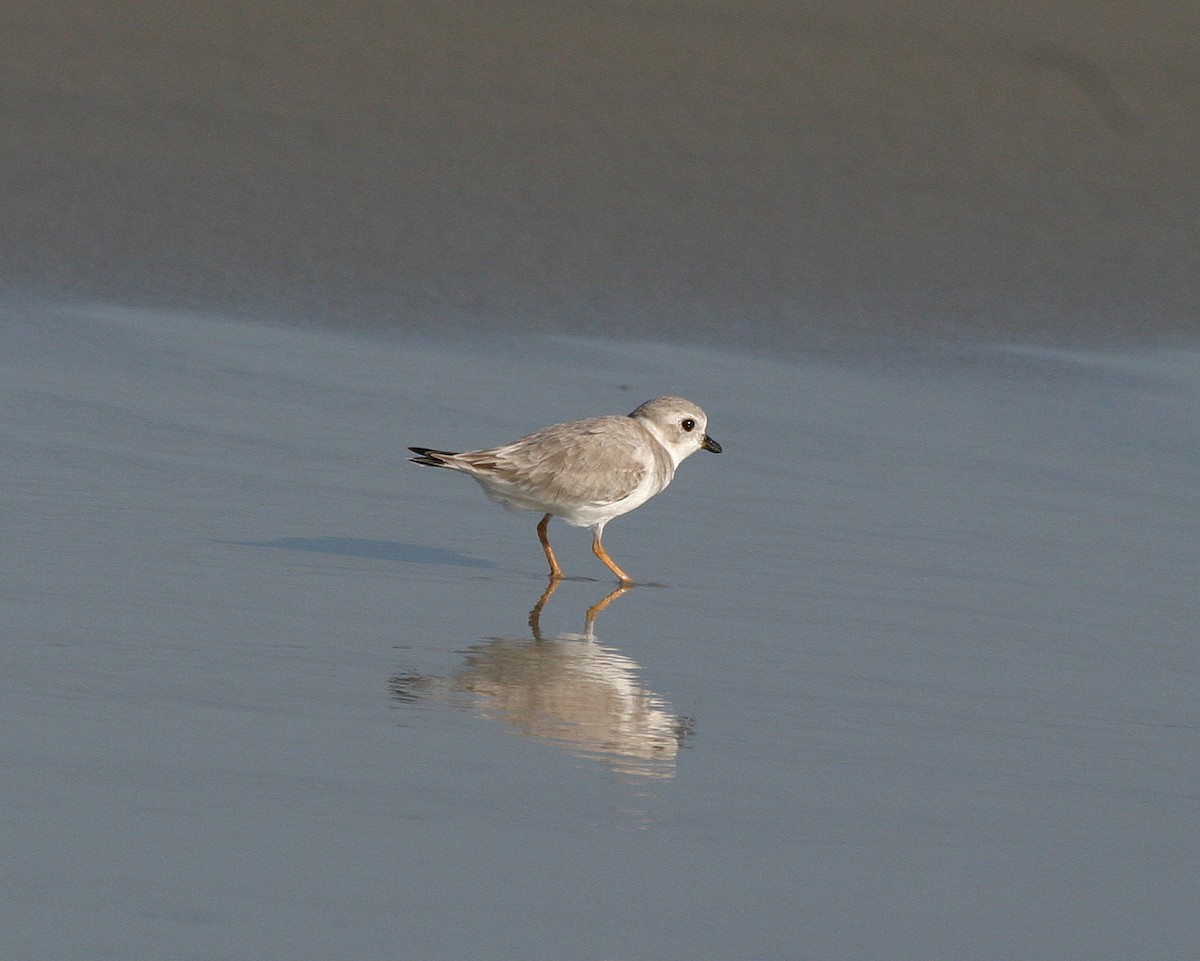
[566, 690]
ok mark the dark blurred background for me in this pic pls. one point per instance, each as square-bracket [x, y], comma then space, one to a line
[768, 171]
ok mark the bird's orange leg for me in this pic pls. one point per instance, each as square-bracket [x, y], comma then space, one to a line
[555, 571]
[600, 552]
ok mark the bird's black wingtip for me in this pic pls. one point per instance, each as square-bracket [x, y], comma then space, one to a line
[430, 457]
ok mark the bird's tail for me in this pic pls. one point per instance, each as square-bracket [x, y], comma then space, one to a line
[431, 458]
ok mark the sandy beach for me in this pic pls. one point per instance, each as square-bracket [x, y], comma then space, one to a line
[763, 174]
[918, 679]
[911, 669]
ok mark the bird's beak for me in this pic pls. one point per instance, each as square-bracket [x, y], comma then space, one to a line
[711, 445]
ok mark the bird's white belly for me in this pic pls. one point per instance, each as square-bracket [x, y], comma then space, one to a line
[579, 513]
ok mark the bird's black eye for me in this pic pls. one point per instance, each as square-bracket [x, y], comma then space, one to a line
[688, 424]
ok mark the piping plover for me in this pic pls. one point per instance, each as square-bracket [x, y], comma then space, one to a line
[586, 471]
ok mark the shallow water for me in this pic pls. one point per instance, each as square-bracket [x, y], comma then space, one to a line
[918, 676]
[920, 681]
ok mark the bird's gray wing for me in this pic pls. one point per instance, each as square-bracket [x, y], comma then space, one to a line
[597, 461]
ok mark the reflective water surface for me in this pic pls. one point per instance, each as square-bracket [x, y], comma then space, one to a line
[920, 681]
[566, 690]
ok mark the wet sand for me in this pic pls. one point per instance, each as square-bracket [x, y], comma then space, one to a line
[920, 682]
[917, 678]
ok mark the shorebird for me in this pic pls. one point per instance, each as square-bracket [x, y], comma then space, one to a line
[586, 471]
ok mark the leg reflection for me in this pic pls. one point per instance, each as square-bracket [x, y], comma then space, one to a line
[535, 616]
[589, 622]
